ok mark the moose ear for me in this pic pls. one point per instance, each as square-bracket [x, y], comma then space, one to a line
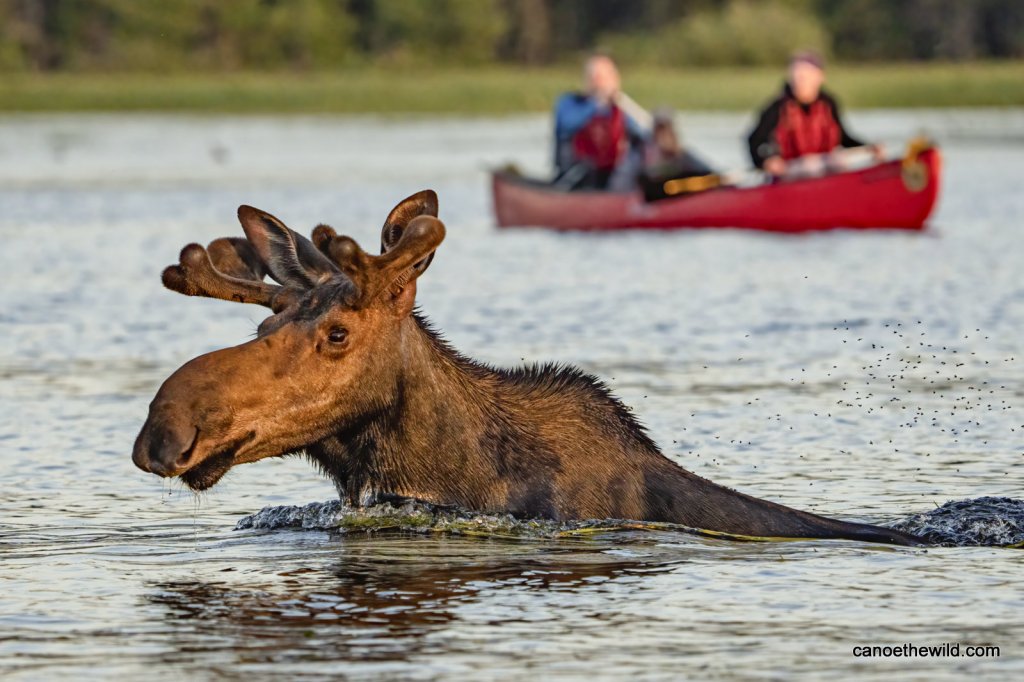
[398, 269]
[421, 203]
[290, 258]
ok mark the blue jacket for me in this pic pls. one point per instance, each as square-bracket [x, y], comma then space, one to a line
[573, 111]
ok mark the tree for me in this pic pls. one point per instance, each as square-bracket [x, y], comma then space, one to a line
[462, 31]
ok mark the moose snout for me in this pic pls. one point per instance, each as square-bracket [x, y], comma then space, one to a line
[164, 447]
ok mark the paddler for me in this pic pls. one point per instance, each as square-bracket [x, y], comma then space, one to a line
[595, 130]
[666, 159]
[802, 123]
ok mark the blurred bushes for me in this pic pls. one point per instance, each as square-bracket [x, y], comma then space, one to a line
[743, 33]
[226, 35]
[163, 35]
[453, 31]
[952, 30]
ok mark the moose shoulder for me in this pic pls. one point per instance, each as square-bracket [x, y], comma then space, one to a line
[345, 372]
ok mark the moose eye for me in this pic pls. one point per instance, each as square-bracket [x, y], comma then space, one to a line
[337, 335]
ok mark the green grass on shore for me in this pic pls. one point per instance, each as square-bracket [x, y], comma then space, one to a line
[498, 90]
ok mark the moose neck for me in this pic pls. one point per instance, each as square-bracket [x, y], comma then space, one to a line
[428, 440]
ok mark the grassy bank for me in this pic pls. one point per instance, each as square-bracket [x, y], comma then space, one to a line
[498, 90]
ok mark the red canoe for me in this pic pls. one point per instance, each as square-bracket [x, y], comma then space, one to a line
[896, 194]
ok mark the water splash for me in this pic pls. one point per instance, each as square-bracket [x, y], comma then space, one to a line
[984, 521]
[422, 517]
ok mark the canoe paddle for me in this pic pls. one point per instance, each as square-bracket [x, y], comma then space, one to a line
[812, 166]
[643, 118]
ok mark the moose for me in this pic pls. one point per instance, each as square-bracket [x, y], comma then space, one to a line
[346, 371]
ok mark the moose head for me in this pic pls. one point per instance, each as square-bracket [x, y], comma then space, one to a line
[327, 357]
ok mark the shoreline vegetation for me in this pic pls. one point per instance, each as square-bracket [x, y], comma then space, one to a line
[498, 90]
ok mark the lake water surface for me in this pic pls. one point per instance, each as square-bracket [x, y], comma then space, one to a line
[861, 375]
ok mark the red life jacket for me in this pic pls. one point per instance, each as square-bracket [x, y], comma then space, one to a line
[602, 140]
[811, 131]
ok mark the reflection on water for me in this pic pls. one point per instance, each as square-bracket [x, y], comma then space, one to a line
[372, 606]
[864, 376]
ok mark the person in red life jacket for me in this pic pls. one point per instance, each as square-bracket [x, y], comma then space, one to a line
[804, 120]
[593, 135]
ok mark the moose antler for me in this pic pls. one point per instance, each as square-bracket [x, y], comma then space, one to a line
[409, 238]
[195, 275]
[233, 269]
[235, 257]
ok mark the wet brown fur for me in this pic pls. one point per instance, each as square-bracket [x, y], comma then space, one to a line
[394, 410]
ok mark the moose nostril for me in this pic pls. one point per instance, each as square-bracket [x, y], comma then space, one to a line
[184, 457]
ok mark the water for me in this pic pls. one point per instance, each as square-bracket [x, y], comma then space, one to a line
[986, 521]
[865, 376]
